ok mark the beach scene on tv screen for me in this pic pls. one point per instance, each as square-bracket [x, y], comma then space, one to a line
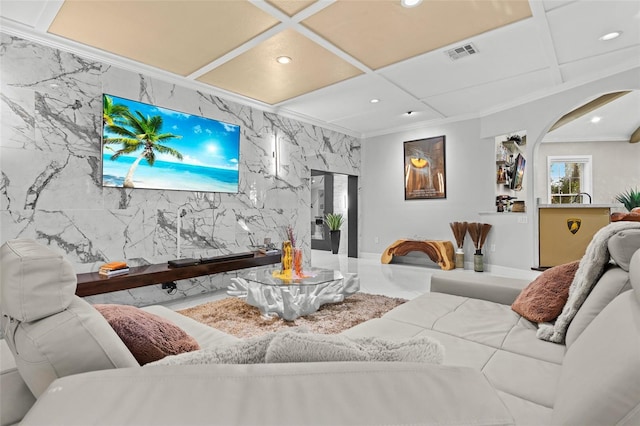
[146, 146]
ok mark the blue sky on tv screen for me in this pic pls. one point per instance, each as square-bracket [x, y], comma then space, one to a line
[205, 142]
[209, 149]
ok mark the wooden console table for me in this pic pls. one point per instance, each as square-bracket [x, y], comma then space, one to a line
[440, 252]
[92, 283]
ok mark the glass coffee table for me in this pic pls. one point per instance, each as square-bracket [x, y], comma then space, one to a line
[290, 297]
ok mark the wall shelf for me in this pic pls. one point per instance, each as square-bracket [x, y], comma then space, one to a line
[92, 283]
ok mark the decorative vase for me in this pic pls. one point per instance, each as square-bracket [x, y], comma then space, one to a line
[478, 262]
[287, 257]
[297, 261]
[459, 258]
[335, 241]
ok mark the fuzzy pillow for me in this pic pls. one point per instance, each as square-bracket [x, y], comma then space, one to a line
[148, 336]
[543, 299]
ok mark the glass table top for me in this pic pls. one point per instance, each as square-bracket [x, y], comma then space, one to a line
[274, 277]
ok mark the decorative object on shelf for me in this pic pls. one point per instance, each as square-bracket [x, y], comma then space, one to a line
[424, 169]
[518, 173]
[459, 232]
[478, 233]
[334, 222]
[518, 207]
[113, 269]
[518, 140]
[287, 257]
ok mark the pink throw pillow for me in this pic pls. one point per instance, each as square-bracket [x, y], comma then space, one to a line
[148, 336]
[543, 299]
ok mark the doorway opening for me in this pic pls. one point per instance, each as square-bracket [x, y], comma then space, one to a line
[334, 193]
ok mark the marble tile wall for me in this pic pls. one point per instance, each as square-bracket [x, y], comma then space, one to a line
[50, 164]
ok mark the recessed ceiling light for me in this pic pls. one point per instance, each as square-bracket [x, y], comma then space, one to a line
[283, 59]
[409, 113]
[410, 3]
[374, 101]
[611, 35]
[596, 119]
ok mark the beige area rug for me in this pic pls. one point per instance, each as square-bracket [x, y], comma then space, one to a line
[234, 316]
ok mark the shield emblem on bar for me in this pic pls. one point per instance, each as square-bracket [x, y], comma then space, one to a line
[574, 225]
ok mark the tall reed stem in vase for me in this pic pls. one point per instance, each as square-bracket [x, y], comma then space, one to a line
[459, 232]
[478, 233]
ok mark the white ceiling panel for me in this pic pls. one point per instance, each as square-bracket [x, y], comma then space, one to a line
[26, 12]
[503, 53]
[352, 97]
[577, 27]
[554, 4]
[584, 67]
[476, 99]
[386, 119]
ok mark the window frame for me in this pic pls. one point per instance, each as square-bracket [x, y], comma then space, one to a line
[587, 178]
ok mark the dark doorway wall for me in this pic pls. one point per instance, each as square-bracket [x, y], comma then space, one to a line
[334, 193]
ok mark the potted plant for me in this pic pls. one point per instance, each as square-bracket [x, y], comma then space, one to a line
[630, 199]
[334, 222]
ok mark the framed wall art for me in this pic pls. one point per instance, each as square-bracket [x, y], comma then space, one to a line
[424, 169]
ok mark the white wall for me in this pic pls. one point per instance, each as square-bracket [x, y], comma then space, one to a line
[470, 160]
[469, 177]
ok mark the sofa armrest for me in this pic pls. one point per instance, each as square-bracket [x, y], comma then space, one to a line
[16, 396]
[345, 393]
[493, 288]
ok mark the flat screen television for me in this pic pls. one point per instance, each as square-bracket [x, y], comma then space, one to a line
[146, 146]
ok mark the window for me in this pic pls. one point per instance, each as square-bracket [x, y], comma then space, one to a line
[569, 179]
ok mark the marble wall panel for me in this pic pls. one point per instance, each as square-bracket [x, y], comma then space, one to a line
[50, 180]
[17, 126]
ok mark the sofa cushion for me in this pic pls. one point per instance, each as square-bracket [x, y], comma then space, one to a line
[528, 378]
[148, 336]
[522, 340]
[623, 245]
[544, 298]
[612, 283]
[35, 281]
[479, 321]
[600, 379]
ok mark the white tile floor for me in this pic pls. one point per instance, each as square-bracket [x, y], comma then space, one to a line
[395, 280]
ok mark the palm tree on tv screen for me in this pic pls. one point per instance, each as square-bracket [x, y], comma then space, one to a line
[113, 114]
[144, 133]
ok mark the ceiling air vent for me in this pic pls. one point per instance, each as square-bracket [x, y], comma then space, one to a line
[461, 51]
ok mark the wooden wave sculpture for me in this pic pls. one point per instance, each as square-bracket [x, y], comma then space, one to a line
[440, 252]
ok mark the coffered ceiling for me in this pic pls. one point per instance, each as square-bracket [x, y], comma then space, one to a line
[345, 53]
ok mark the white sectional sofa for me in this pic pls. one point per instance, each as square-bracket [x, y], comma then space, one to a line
[495, 371]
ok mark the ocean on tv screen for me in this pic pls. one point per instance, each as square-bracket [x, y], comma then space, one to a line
[169, 175]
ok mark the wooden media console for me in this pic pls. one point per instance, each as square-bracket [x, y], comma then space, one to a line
[92, 283]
